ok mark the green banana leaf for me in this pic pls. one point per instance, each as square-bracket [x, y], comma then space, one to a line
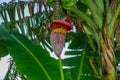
[77, 58]
[31, 59]
[3, 50]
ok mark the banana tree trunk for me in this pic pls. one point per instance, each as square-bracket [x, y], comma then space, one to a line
[107, 57]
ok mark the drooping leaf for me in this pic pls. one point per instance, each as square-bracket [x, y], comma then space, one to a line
[100, 4]
[93, 37]
[97, 15]
[89, 35]
[84, 16]
[31, 59]
[114, 19]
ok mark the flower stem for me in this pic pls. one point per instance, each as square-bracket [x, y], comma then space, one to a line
[61, 69]
[57, 9]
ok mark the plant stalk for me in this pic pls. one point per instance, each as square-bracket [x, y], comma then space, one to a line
[81, 63]
[57, 9]
[61, 69]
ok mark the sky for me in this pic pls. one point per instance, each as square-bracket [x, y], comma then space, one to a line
[4, 1]
[3, 66]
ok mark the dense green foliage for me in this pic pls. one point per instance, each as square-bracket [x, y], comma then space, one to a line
[26, 37]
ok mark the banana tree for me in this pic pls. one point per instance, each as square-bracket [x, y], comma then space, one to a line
[92, 42]
[99, 22]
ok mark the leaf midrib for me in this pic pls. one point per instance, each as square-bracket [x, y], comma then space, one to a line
[47, 75]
